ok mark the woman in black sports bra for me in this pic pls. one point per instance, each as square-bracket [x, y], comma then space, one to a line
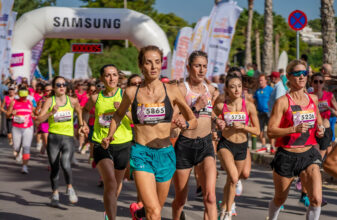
[152, 159]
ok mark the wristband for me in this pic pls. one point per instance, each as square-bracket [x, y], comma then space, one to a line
[214, 119]
[187, 125]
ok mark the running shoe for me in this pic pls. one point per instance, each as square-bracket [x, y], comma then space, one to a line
[263, 149]
[54, 200]
[305, 200]
[24, 169]
[133, 208]
[234, 213]
[10, 142]
[72, 195]
[225, 215]
[106, 216]
[182, 216]
[272, 151]
[39, 146]
[238, 188]
[298, 185]
[324, 202]
[282, 208]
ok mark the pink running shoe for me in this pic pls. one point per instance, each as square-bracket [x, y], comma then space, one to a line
[298, 185]
[133, 208]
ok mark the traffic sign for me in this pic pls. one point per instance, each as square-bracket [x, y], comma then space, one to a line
[86, 48]
[297, 20]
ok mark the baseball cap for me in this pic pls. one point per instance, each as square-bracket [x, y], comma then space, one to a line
[275, 74]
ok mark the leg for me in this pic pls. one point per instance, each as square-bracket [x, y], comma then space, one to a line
[107, 171]
[67, 154]
[147, 189]
[53, 151]
[26, 142]
[282, 186]
[247, 167]
[17, 138]
[180, 181]
[44, 141]
[207, 174]
[330, 163]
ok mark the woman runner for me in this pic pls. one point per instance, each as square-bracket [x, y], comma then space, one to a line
[152, 158]
[59, 110]
[295, 122]
[9, 119]
[111, 162]
[236, 112]
[194, 148]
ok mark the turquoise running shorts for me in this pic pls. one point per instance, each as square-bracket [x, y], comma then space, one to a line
[159, 161]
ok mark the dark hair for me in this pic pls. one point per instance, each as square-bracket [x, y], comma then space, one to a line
[317, 74]
[304, 57]
[229, 77]
[143, 50]
[234, 69]
[105, 66]
[131, 77]
[23, 87]
[53, 82]
[195, 54]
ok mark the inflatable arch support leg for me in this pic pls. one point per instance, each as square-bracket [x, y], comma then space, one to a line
[85, 23]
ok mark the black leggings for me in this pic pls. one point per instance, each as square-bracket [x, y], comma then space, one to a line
[60, 146]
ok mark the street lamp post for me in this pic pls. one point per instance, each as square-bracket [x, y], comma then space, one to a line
[126, 40]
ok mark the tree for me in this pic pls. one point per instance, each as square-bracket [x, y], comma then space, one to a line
[267, 53]
[24, 6]
[248, 49]
[329, 34]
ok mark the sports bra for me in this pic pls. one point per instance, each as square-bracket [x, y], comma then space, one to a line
[295, 115]
[191, 98]
[238, 116]
[153, 113]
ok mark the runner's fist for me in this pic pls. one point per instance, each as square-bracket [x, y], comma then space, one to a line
[301, 128]
[220, 123]
[201, 102]
[180, 122]
[55, 108]
[106, 141]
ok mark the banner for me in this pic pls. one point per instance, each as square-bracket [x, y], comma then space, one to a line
[37, 73]
[5, 14]
[180, 53]
[8, 49]
[51, 71]
[197, 35]
[222, 28]
[66, 66]
[36, 54]
[82, 67]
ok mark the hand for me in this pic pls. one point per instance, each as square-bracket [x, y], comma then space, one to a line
[106, 141]
[320, 131]
[55, 108]
[301, 128]
[201, 102]
[220, 123]
[215, 136]
[238, 126]
[117, 104]
[180, 122]
[14, 112]
[84, 130]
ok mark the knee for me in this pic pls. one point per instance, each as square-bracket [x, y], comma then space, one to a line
[245, 175]
[179, 201]
[279, 200]
[153, 212]
[233, 180]
[110, 184]
[316, 200]
[209, 198]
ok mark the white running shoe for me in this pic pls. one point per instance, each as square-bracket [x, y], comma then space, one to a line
[225, 215]
[24, 169]
[234, 213]
[238, 189]
[72, 195]
[54, 200]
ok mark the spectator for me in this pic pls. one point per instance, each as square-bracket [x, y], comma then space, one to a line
[250, 71]
[261, 97]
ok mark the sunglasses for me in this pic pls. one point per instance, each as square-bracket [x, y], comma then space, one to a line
[136, 83]
[92, 91]
[299, 73]
[318, 81]
[60, 85]
[49, 90]
[100, 86]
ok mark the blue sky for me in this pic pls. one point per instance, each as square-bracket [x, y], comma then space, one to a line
[192, 10]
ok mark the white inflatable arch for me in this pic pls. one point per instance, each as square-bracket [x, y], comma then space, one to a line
[84, 23]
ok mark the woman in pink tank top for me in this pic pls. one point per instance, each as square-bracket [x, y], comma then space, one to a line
[9, 119]
[23, 129]
[296, 123]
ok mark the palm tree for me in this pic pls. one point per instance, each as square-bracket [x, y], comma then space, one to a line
[267, 53]
[257, 49]
[248, 51]
[329, 34]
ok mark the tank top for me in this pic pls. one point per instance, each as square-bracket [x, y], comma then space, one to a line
[295, 115]
[23, 116]
[152, 113]
[104, 111]
[8, 101]
[91, 121]
[239, 116]
[323, 103]
[62, 121]
[191, 98]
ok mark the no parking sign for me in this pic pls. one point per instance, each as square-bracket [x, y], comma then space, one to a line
[297, 20]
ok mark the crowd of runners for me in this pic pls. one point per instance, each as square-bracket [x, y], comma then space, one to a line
[155, 130]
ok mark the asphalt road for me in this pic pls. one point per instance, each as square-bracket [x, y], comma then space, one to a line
[27, 196]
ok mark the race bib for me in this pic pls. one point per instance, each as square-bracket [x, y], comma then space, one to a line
[151, 113]
[105, 119]
[308, 117]
[323, 106]
[207, 111]
[231, 117]
[62, 116]
[19, 119]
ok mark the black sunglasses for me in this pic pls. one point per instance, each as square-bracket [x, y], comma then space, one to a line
[318, 81]
[60, 85]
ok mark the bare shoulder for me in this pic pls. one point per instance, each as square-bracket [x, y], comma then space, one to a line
[94, 97]
[282, 101]
[73, 100]
[314, 97]
[182, 88]
[130, 92]
[211, 88]
[221, 98]
[249, 104]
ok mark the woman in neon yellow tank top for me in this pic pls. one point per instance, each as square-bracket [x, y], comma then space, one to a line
[111, 162]
[58, 109]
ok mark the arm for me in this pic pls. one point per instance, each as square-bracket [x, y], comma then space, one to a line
[38, 108]
[78, 109]
[2, 108]
[217, 110]
[334, 105]
[10, 109]
[255, 128]
[320, 128]
[88, 106]
[44, 114]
